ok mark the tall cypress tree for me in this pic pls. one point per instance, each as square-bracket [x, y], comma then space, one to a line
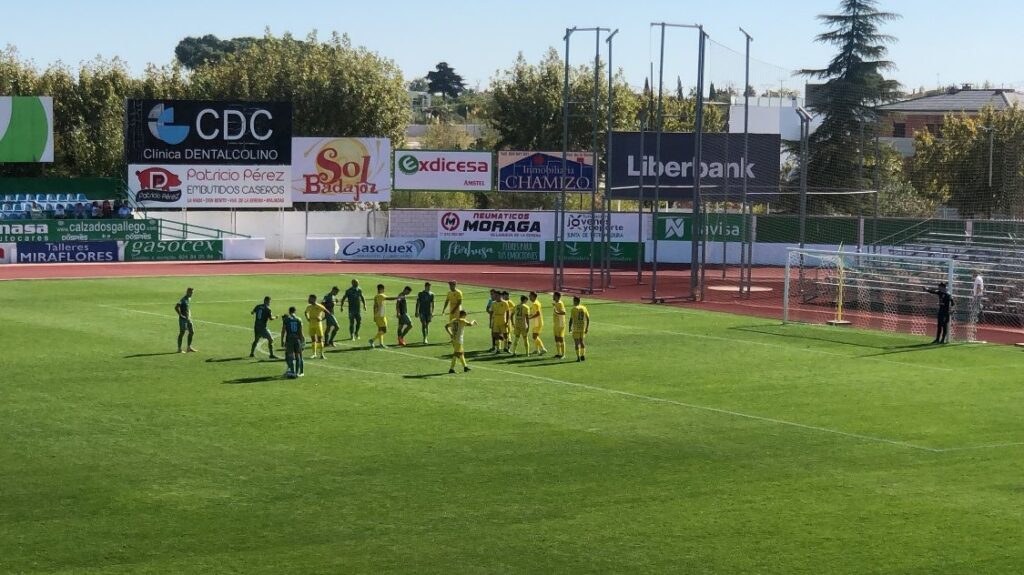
[853, 86]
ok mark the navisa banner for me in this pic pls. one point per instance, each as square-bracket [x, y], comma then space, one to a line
[78, 230]
[542, 172]
[495, 225]
[443, 171]
[174, 250]
[343, 170]
[66, 252]
[171, 186]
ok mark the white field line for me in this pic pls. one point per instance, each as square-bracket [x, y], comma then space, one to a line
[977, 447]
[598, 389]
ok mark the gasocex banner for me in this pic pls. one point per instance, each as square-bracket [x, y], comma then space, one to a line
[723, 164]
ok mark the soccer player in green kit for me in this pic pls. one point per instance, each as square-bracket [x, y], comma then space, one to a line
[261, 315]
[425, 309]
[184, 310]
[294, 340]
[329, 302]
[356, 305]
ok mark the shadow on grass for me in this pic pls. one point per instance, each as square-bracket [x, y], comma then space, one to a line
[261, 379]
[547, 362]
[838, 337]
[151, 354]
[226, 359]
[916, 347]
[425, 375]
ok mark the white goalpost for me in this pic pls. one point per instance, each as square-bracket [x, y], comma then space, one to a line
[873, 291]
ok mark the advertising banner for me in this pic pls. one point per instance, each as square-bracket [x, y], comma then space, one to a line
[718, 227]
[78, 230]
[579, 252]
[173, 250]
[6, 253]
[624, 227]
[723, 164]
[66, 252]
[211, 133]
[398, 249]
[26, 129]
[341, 170]
[542, 172]
[443, 171]
[226, 186]
[495, 225]
[490, 251]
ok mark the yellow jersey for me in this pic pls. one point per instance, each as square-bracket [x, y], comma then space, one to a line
[454, 302]
[580, 318]
[536, 315]
[498, 311]
[521, 316]
[511, 307]
[458, 327]
[315, 313]
[378, 305]
[558, 308]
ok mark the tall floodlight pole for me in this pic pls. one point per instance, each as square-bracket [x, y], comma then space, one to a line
[805, 133]
[559, 264]
[657, 158]
[698, 257]
[597, 166]
[606, 264]
[745, 239]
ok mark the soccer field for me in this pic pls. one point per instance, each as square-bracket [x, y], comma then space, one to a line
[689, 442]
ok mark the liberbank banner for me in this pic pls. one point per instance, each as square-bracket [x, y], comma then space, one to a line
[341, 170]
[443, 171]
[723, 165]
[202, 132]
[542, 172]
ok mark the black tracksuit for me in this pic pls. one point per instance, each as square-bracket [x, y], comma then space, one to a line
[945, 303]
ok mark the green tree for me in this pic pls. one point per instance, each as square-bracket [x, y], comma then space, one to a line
[335, 89]
[955, 166]
[193, 51]
[854, 84]
[445, 81]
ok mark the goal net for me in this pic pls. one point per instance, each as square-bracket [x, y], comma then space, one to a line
[874, 291]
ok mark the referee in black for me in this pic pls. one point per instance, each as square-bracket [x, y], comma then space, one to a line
[945, 303]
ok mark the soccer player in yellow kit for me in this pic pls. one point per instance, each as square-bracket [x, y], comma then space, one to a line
[380, 317]
[315, 314]
[579, 325]
[558, 313]
[521, 325]
[499, 319]
[456, 329]
[536, 323]
[511, 307]
[452, 301]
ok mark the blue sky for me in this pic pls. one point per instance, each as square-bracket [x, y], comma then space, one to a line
[941, 41]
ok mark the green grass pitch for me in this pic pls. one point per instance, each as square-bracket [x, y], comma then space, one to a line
[689, 442]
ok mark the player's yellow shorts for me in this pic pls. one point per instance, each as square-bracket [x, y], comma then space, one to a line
[452, 316]
[501, 328]
[578, 334]
[536, 330]
[520, 332]
[316, 329]
[559, 330]
[381, 321]
[457, 348]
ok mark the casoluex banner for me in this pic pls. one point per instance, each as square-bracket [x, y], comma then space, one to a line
[171, 186]
[173, 250]
[66, 252]
[401, 249]
[341, 170]
[26, 129]
[201, 153]
[495, 225]
[723, 165]
[543, 171]
[443, 171]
